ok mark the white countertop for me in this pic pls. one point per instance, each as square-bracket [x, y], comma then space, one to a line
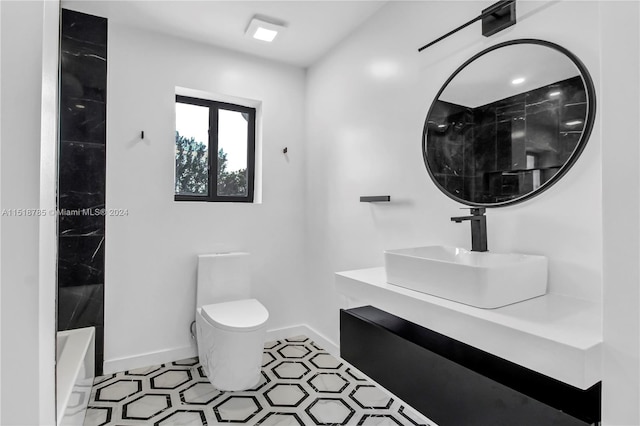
[556, 335]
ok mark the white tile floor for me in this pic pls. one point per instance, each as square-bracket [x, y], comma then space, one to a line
[301, 385]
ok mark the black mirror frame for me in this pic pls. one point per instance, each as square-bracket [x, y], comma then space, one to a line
[589, 121]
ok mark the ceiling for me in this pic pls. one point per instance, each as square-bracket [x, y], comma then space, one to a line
[489, 78]
[313, 27]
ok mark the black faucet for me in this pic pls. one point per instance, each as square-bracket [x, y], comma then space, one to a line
[478, 228]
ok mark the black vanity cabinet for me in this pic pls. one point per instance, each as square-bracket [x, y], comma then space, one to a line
[455, 384]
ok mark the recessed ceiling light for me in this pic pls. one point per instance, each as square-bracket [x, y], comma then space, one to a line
[554, 93]
[265, 34]
[518, 80]
[264, 29]
[573, 123]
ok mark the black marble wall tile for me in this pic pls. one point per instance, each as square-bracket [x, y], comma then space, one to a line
[469, 148]
[85, 69]
[87, 223]
[435, 155]
[504, 130]
[83, 306]
[449, 133]
[468, 187]
[454, 184]
[572, 91]
[449, 159]
[82, 188]
[80, 306]
[81, 214]
[82, 167]
[452, 156]
[543, 137]
[569, 142]
[514, 106]
[485, 147]
[570, 114]
[80, 260]
[82, 174]
[82, 120]
[84, 27]
[83, 79]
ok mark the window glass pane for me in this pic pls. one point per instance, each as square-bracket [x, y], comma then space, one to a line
[233, 129]
[192, 154]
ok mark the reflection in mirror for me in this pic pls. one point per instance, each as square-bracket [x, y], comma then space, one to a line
[508, 123]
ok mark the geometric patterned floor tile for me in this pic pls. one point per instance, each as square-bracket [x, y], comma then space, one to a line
[146, 406]
[330, 411]
[294, 351]
[118, 390]
[301, 385]
[199, 393]
[98, 416]
[290, 370]
[325, 361]
[370, 396]
[144, 371]
[328, 383]
[237, 409]
[183, 418]
[280, 419]
[170, 379]
[267, 358]
[285, 395]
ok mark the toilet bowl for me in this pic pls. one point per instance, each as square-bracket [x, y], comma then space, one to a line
[230, 325]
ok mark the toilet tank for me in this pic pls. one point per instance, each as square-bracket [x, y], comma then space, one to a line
[222, 277]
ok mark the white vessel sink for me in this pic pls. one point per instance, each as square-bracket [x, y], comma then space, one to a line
[480, 279]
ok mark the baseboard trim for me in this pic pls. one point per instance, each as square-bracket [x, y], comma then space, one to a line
[116, 365]
[147, 359]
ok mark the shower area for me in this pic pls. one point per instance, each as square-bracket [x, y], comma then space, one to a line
[81, 175]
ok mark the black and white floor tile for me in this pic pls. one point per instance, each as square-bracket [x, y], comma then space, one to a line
[301, 385]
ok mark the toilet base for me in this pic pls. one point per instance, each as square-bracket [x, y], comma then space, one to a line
[232, 360]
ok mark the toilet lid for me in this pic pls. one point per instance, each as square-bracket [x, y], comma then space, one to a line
[238, 315]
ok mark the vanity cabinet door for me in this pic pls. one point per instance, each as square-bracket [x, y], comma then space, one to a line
[408, 360]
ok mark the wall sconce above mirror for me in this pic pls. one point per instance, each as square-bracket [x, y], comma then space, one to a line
[509, 123]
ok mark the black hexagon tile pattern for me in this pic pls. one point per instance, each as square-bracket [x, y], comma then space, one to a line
[301, 384]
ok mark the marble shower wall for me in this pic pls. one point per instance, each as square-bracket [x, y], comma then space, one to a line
[81, 174]
[532, 124]
[480, 154]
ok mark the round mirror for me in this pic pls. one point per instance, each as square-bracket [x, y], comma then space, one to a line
[509, 123]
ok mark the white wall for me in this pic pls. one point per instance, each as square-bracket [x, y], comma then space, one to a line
[150, 274]
[27, 310]
[367, 103]
[620, 100]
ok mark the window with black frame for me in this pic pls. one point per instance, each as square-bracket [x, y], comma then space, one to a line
[204, 127]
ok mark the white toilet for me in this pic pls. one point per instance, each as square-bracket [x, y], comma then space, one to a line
[230, 326]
